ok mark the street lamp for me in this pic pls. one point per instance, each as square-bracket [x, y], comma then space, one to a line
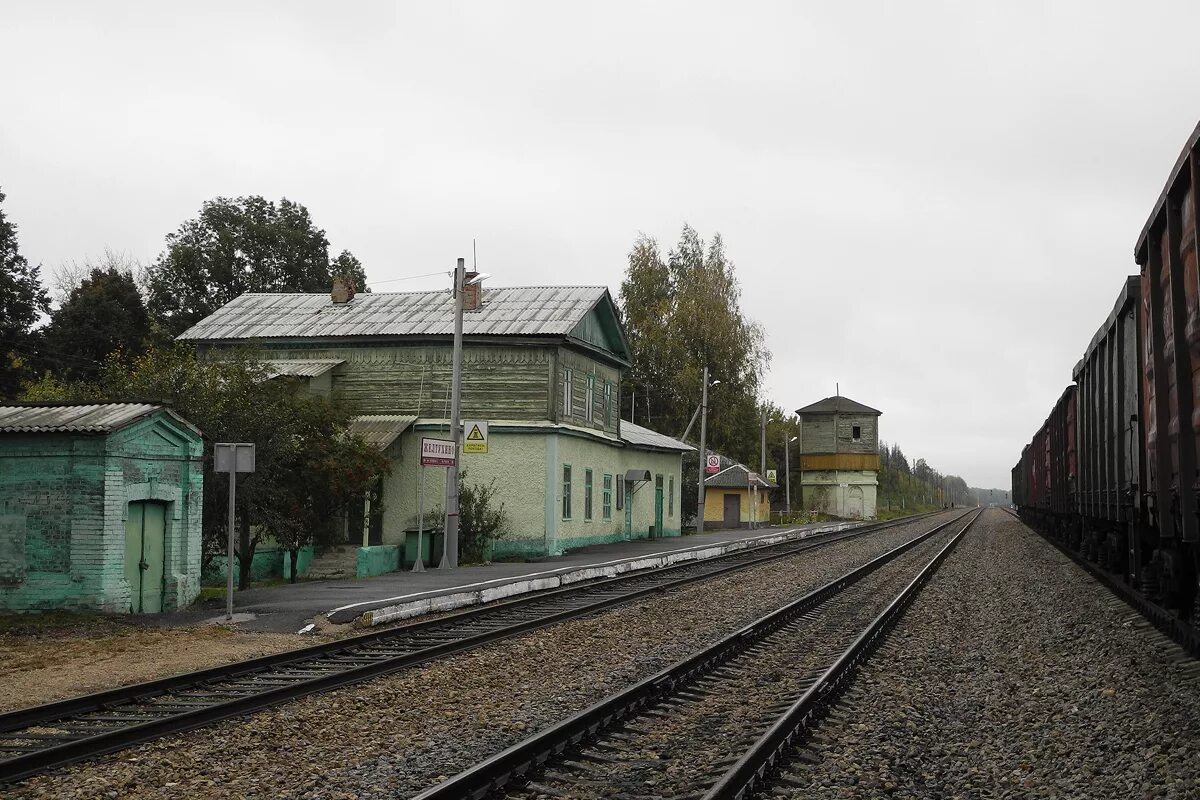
[450, 539]
[703, 453]
[787, 472]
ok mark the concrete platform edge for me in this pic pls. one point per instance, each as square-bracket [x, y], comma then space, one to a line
[454, 597]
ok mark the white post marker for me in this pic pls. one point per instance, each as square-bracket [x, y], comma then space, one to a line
[434, 453]
[232, 458]
[417, 565]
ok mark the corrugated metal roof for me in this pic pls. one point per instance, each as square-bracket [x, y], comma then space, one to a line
[305, 368]
[73, 418]
[838, 405]
[736, 477]
[381, 429]
[637, 436]
[517, 311]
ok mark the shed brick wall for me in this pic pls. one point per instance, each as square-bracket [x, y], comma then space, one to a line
[68, 495]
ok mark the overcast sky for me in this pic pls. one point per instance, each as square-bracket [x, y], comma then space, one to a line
[931, 203]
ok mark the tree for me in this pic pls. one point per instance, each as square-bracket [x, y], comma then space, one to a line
[314, 476]
[347, 265]
[680, 316]
[22, 301]
[247, 244]
[102, 316]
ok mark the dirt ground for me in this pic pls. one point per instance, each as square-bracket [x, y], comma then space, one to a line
[53, 656]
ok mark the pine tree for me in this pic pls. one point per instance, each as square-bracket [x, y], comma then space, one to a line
[22, 301]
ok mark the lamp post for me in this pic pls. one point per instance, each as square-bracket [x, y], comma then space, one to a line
[703, 452]
[787, 472]
[450, 539]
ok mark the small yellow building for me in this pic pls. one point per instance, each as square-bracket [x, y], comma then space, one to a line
[735, 497]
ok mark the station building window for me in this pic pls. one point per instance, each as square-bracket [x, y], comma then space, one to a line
[620, 492]
[567, 394]
[566, 508]
[587, 495]
[671, 496]
[607, 498]
[856, 433]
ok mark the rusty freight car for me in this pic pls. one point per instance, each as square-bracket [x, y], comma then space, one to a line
[1166, 252]
[1109, 408]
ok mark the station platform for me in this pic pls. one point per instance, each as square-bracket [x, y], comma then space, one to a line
[400, 595]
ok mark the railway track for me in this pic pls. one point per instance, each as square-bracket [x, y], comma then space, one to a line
[716, 724]
[46, 737]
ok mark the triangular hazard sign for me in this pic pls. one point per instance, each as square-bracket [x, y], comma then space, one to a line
[474, 435]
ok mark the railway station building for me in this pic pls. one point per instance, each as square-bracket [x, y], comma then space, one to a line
[542, 366]
[839, 457]
[100, 507]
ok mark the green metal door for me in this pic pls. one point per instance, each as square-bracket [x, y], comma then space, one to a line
[628, 510]
[658, 510]
[145, 555]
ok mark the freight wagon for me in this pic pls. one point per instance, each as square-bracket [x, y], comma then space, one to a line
[1112, 473]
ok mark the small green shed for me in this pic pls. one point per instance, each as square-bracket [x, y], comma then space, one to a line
[100, 507]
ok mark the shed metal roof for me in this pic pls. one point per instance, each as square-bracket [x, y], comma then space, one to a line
[77, 417]
[381, 429]
[516, 311]
[303, 368]
[637, 436]
[737, 476]
[838, 405]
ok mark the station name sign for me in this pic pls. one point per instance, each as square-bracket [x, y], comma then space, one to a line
[437, 452]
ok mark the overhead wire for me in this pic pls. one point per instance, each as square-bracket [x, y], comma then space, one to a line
[409, 277]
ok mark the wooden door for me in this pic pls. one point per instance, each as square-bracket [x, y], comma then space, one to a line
[145, 556]
[733, 510]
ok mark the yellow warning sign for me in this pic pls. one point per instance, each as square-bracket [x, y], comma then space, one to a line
[476, 440]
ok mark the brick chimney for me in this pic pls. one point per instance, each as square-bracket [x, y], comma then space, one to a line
[472, 293]
[343, 290]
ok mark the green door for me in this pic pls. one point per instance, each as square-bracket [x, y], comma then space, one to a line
[628, 510]
[145, 555]
[658, 508]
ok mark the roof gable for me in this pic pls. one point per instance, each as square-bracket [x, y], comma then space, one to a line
[601, 327]
[838, 405]
[553, 311]
[737, 476]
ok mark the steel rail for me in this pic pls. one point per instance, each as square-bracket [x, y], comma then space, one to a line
[1168, 622]
[526, 756]
[337, 663]
[753, 769]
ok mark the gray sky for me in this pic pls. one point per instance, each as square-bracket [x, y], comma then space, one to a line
[931, 203]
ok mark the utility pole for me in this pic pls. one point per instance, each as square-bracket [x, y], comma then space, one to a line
[450, 548]
[762, 448]
[762, 445]
[787, 471]
[703, 453]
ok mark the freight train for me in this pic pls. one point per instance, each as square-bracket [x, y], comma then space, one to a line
[1112, 473]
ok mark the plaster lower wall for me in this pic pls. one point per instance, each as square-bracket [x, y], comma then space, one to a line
[841, 493]
[527, 467]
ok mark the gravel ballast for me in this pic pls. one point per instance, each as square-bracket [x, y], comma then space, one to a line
[396, 735]
[1012, 675]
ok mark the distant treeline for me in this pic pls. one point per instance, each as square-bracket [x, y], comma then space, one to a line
[917, 486]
